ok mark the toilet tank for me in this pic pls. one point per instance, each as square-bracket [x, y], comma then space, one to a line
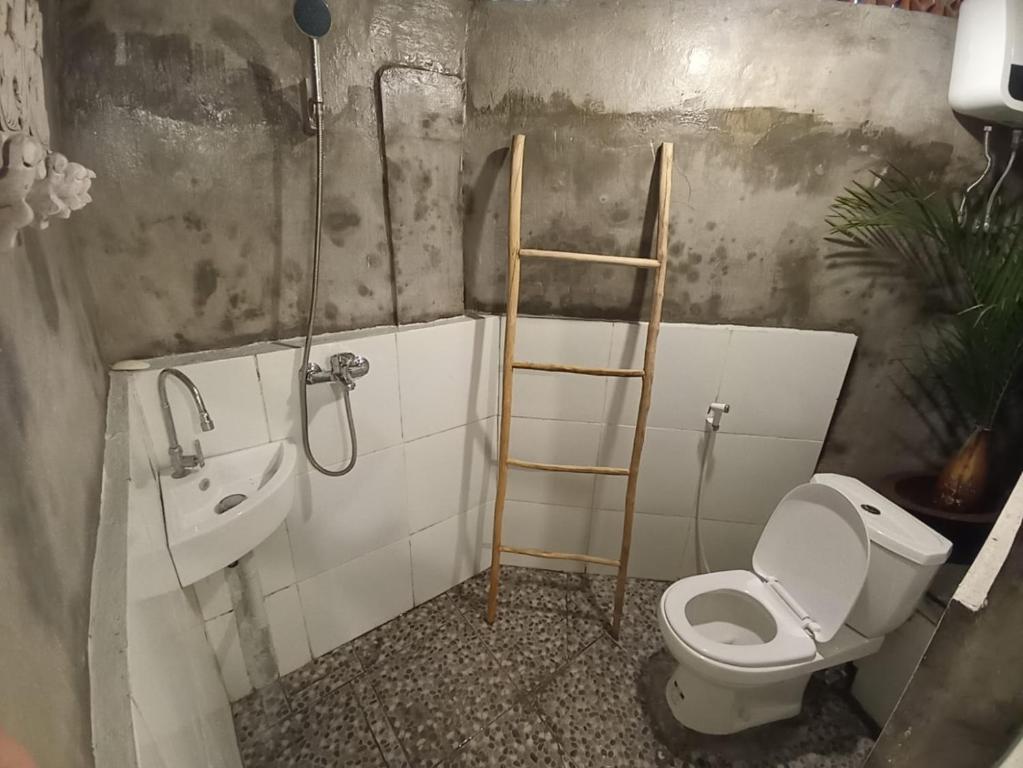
[905, 554]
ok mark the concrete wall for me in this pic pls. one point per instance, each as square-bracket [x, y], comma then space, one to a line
[52, 392]
[964, 704]
[773, 107]
[194, 108]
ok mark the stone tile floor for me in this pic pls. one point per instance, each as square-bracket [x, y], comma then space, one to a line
[546, 686]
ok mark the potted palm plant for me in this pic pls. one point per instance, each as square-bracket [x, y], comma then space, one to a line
[969, 264]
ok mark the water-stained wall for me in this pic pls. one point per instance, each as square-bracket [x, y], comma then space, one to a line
[195, 109]
[52, 394]
[773, 106]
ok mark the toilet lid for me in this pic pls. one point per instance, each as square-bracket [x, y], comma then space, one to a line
[815, 545]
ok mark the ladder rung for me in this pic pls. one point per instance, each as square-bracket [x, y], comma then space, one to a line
[560, 556]
[634, 372]
[600, 258]
[568, 468]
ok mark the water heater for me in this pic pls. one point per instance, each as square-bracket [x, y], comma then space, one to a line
[987, 66]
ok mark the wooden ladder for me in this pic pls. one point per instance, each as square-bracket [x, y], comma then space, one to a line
[515, 255]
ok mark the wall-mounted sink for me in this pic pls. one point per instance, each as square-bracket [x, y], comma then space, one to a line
[219, 512]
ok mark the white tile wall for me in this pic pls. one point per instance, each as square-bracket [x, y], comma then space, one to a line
[784, 383]
[337, 519]
[232, 394]
[450, 472]
[287, 630]
[213, 595]
[273, 562]
[222, 633]
[180, 710]
[668, 472]
[414, 518]
[552, 442]
[448, 374]
[881, 678]
[689, 366]
[747, 476]
[659, 544]
[447, 553]
[545, 395]
[374, 400]
[347, 601]
[728, 546]
[541, 526]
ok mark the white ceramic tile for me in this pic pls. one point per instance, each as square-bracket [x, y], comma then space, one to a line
[219, 736]
[784, 383]
[147, 749]
[540, 526]
[690, 363]
[222, 633]
[350, 600]
[727, 546]
[747, 476]
[448, 374]
[230, 389]
[273, 561]
[375, 401]
[287, 630]
[552, 442]
[337, 519]
[151, 570]
[881, 678]
[546, 395]
[659, 544]
[213, 594]
[450, 472]
[668, 472]
[446, 554]
[161, 674]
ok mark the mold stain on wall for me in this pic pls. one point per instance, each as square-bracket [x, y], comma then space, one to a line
[209, 230]
[763, 143]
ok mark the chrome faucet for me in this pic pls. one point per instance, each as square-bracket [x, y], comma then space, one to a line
[181, 463]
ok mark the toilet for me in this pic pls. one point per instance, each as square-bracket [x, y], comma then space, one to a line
[837, 567]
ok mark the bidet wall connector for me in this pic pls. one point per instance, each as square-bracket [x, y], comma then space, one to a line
[714, 414]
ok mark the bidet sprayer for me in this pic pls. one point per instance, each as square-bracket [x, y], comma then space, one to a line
[714, 413]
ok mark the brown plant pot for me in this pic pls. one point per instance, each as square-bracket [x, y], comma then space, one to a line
[963, 481]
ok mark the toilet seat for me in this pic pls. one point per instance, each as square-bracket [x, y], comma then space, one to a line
[790, 643]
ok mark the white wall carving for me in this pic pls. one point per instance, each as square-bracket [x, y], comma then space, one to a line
[36, 184]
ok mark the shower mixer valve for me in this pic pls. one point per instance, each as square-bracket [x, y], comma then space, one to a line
[345, 368]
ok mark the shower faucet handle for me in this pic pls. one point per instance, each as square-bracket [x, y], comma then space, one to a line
[345, 368]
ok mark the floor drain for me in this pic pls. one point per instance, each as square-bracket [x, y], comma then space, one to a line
[229, 502]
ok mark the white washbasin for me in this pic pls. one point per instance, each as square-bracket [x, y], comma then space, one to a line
[208, 525]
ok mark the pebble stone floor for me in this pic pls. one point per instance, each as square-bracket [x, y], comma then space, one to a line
[546, 686]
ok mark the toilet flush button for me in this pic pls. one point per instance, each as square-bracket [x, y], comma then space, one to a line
[870, 508]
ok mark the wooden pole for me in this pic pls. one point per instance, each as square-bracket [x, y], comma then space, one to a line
[595, 258]
[511, 318]
[649, 359]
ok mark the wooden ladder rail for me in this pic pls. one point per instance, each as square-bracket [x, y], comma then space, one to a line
[515, 254]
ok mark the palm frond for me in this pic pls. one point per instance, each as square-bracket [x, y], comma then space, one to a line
[972, 277]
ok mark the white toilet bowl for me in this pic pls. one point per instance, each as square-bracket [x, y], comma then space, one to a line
[747, 642]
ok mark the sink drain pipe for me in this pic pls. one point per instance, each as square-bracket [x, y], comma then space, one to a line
[251, 619]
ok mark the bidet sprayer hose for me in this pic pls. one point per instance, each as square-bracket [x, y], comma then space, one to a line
[303, 384]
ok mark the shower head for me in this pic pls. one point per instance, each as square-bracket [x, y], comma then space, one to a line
[312, 17]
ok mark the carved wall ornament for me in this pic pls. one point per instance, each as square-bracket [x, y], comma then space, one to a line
[36, 184]
[63, 189]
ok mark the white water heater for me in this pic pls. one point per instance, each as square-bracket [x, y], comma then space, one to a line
[987, 66]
